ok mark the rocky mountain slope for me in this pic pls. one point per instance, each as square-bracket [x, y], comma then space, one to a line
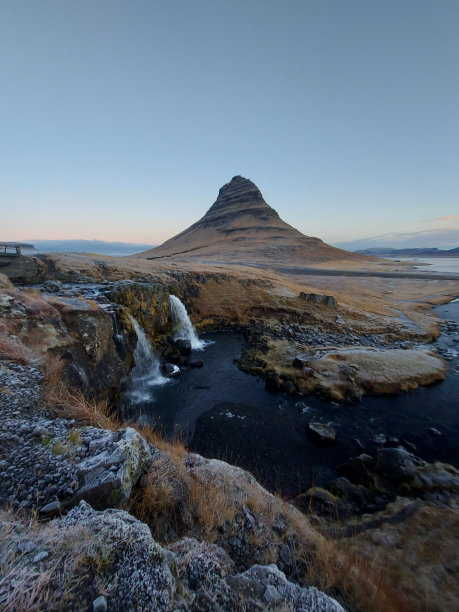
[241, 227]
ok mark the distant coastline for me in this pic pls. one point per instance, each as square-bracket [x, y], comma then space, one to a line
[416, 252]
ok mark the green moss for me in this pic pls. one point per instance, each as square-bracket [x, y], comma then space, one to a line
[75, 437]
[46, 440]
[115, 497]
[59, 449]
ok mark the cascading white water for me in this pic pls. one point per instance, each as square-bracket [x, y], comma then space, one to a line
[183, 326]
[147, 372]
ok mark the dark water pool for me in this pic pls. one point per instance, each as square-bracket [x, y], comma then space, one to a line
[223, 412]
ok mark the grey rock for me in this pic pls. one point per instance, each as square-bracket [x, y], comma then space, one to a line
[197, 363]
[140, 577]
[26, 546]
[318, 298]
[285, 559]
[52, 286]
[395, 463]
[278, 525]
[183, 346]
[53, 507]
[40, 431]
[292, 595]
[100, 604]
[107, 477]
[170, 370]
[272, 595]
[40, 556]
[204, 602]
[321, 433]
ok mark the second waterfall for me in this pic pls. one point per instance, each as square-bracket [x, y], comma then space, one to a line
[147, 371]
[184, 329]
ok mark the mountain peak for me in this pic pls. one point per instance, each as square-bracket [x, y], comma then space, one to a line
[240, 196]
[240, 226]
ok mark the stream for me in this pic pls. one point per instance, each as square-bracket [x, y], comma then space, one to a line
[222, 412]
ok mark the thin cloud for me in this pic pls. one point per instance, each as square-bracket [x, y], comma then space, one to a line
[451, 218]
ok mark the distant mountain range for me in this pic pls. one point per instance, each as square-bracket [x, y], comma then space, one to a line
[100, 247]
[419, 252]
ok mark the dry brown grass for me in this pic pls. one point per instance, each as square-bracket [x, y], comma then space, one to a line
[173, 502]
[69, 402]
[34, 303]
[27, 587]
[357, 582]
[12, 348]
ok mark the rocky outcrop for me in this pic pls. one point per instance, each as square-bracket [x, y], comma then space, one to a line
[51, 464]
[342, 373]
[321, 433]
[210, 572]
[115, 463]
[70, 326]
[318, 298]
[125, 569]
[148, 303]
[351, 373]
[93, 361]
[368, 484]
[22, 268]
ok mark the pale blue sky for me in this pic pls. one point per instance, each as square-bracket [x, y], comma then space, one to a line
[120, 120]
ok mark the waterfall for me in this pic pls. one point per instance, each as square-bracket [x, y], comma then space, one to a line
[184, 329]
[147, 372]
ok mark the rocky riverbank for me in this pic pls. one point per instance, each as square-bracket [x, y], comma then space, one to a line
[50, 464]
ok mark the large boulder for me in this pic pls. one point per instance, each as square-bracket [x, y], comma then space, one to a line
[136, 573]
[321, 433]
[183, 346]
[395, 464]
[318, 298]
[206, 570]
[116, 462]
[265, 587]
[92, 360]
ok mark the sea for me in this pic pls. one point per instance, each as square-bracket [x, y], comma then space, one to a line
[446, 265]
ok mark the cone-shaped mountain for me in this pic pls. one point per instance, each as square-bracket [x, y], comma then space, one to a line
[241, 227]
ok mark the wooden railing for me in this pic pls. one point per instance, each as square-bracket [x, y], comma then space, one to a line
[10, 249]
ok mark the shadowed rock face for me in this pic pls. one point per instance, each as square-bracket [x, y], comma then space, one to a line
[241, 227]
[238, 199]
[239, 196]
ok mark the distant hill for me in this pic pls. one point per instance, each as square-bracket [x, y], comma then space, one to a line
[241, 227]
[439, 238]
[418, 252]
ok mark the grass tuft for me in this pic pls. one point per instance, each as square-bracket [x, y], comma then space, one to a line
[69, 402]
[12, 349]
